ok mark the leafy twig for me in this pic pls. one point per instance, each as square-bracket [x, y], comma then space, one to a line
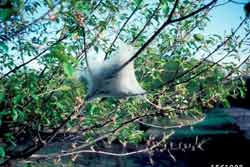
[13, 34]
[167, 22]
[121, 29]
[147, 23]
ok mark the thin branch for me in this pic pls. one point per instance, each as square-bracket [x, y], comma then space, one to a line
[85, 51]
[97, 5]
[232, 71]
[174, 45]
[237, 2]
[147, 23]
[28, 152]
[81, 55]
[121, 29]
[194, 13]
[222, 4]
[209, 55]
[174, 126]
[158, 144]
[88, 151]
[213, 64]
[167, 22]
[34, 58]
[13, 34]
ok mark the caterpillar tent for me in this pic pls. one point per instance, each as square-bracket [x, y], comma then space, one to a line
[104, 79]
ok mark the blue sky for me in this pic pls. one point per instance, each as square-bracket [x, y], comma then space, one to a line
[225, 17]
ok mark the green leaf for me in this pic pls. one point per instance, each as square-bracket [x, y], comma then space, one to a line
[2, 96]
[3, 47]
[2, 152]
[17, 5]
[165, 8]
[58, 51]
[242, 93]
[64, 88]
[68, 69]
[49, 3]
[17, 99]
[3, 113]
[226, 103]
[92, 109]
[82, 6]
[198, 37]
[14, 114]
[28, 165]
[137, 2]
[5, 14]
[96, 49]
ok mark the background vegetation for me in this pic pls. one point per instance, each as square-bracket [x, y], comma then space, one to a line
[43, 42]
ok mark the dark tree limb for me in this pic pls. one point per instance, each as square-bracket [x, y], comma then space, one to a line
[34, 58]
[166, 23]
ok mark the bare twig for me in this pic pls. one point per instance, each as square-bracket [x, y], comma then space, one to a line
[174, 126]
[156, 145]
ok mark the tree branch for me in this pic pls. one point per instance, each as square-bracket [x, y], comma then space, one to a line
[174, 126]
[34, 58]
[121, 29]
[13, 34]
[147, 23]
[209, 55]
[212, 65]
[167, 22]
[34, 148]
[147, 149]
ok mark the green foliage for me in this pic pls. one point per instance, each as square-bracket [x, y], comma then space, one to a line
[137, 2]
[198, 37]
[40, 91]
[82, 6]
[2, 152]
[10, 8]
[5, 14]
[3, 47]
[131, 135]
[165, 7]
[68, 69]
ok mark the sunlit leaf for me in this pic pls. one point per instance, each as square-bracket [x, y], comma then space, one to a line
[5, 14]
[2, 152]
[68, 69]
[198, 37]
[3, 47]
[14, 114]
